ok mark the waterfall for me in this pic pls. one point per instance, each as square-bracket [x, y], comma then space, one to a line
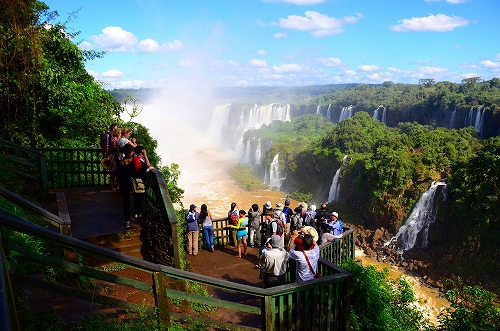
[422, 215]
[220, 115]
[345, 113]
[452, 119]
[478, 124]
[258, 152]
[275, 179]
[384, 118]
[375, 114]
[329, 112]
[334, 193]
[318, 109]
[247, 151]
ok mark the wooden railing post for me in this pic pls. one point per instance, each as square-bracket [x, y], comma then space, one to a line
[161, 300]
[268, 316]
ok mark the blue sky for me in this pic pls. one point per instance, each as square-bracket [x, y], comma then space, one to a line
[153, 43]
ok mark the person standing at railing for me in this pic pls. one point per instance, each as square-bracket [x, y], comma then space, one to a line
[124, 173]
[311, 250]
[254, 218]
[232, 219]
[333, 228]
[113, 152]
[273, 263]
[207, 226]
[124, 140]
[193, 231]
[241, 232]
[141, 167]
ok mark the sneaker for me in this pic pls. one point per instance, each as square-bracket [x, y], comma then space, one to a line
[251, 245]
[126, 225]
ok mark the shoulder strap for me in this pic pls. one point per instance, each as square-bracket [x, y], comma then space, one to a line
[309, 263]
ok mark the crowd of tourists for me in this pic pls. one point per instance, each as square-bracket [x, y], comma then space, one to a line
[285, 237]
[128, 163]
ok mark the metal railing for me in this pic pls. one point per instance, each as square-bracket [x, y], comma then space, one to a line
[320, 304]
[23, 163]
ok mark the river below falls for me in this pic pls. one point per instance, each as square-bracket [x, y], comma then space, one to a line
[204, 177]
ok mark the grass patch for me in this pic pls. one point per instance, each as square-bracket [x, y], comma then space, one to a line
[247, 177]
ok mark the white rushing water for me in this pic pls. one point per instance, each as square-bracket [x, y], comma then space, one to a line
[334, 192]
[422, 215]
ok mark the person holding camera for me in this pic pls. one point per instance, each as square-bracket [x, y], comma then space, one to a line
[273, 262]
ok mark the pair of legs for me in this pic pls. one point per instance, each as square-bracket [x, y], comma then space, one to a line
[328, 237]
[253, 232]
[140, 206]
[126, 206]
[242, 240]
[208, 234]
[193, 242]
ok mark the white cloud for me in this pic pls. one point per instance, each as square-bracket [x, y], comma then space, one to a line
[113, 73]
[491, 64]
[318, 24]
[285, 68]
[186, 63]
[350, 72]
[497, 57]
[262, 52]
[330, 62]
[431, 70]
[438, 23]
[280, 35]
[368, 68]
[258, 63]
[86, 46]
[116, 39]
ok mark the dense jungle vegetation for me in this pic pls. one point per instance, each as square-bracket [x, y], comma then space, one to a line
[48, 99]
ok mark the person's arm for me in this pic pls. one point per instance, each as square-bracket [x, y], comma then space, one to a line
[291, 244]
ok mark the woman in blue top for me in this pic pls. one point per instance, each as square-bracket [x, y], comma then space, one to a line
[241, 232]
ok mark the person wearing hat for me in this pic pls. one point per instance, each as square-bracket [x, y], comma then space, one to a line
[303, 258]
[333, 228]
[273, 262]
[193, 230]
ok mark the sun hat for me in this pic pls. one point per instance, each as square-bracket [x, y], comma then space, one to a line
[279, 205]
[106, 163]
[269, 205]
[334, 213]
[312, 231]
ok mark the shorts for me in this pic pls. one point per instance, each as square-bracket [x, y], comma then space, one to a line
[240, 234]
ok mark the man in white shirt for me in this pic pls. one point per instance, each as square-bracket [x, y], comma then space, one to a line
[273, 262]
[311, 249]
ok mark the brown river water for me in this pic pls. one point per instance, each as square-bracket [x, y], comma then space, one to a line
[182, 139]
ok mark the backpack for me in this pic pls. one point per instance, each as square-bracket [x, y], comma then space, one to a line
[297, 221]
[234, 217]
[138, 186]
[191, 217]
[309, 220]
[279, 227]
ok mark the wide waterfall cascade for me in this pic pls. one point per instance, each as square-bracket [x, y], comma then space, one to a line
[255, 117]
[345, 113]
[220, 117]
[275, 177]
[334, 193]
[422, 215]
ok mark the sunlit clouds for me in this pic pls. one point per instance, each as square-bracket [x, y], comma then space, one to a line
[319, 25]
[435, 23]
[116, 39]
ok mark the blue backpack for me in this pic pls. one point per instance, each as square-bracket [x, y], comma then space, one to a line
[191, 217]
